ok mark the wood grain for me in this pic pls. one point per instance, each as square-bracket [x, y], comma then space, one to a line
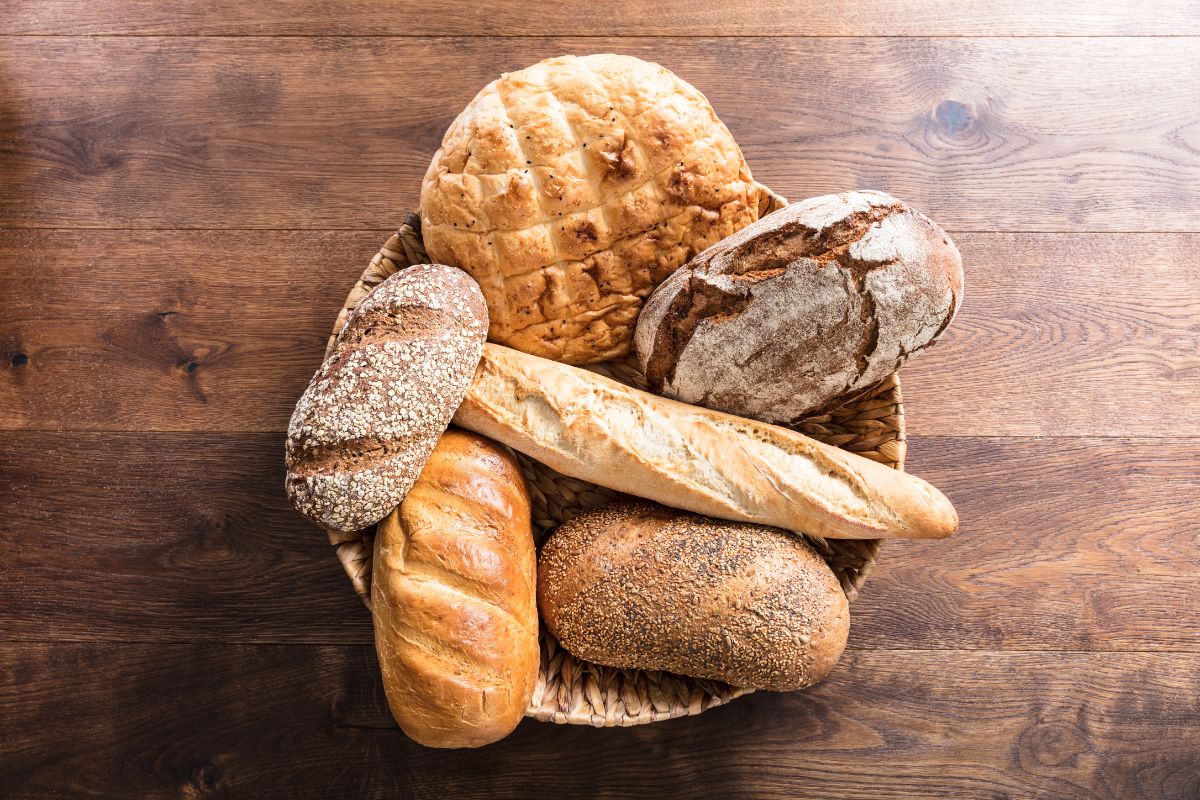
[221, 330]
[268, 722]
[168, 538]
[157, 330]
[1079, 134]
[1066, 335]
[617, 18]
[188, 537]
[170, 628]
[1075, 544]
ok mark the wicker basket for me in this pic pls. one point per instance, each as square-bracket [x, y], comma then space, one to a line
[581, 693]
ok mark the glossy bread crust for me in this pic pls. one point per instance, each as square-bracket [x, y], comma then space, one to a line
[453, 597]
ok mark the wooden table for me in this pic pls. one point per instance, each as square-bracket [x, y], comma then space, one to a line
[186, 193]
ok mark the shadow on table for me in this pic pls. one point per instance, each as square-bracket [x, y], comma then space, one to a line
[757, 746]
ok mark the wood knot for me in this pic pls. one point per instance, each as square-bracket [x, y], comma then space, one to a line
[203, 781]
[206, 776]
[954, 118]
[1054, 744]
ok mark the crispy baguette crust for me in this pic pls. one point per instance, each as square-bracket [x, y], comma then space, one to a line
[708, 462]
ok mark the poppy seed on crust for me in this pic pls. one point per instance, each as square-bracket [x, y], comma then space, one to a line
[639, 586]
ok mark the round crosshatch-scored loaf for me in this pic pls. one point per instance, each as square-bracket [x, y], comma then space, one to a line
[572, 188]
[642, 586]
[802, 311]
[373, 413]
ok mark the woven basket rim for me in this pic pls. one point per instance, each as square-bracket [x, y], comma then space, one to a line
[569, 690]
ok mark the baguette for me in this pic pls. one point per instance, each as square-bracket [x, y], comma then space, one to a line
[708, 462]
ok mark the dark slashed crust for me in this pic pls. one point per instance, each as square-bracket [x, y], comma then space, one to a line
[720, 284]
[760, 258]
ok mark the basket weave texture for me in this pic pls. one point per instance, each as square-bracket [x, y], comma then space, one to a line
[573, 691]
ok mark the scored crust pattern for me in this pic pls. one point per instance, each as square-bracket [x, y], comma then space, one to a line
[570, 189]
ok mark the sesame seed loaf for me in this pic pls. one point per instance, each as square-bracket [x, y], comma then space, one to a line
[372, 414]
[640, 586]
[571, 188]
[802, 311]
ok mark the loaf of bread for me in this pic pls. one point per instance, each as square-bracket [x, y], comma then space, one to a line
[453, 595]
[598, 430]
[374, 411]
[802, 311]
[639, 586]
[570, 189]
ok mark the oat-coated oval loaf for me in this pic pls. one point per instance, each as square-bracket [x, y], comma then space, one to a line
[453, 597]
[374, 411]
[641, 586]
[570, 189]
[803, 310]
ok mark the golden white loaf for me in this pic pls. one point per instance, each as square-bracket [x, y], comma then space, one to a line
[453, 595]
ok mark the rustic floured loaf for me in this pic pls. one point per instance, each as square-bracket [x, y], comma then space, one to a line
[570, 189]
[640, 586]
[374, 411]
[802, 311]
[453, 595]
[595, 429]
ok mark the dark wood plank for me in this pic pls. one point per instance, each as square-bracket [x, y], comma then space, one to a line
[167, 330]
[163, 537]
[983, 134]
[150, 721]
[1066, 335]
[617, 18]
[212, 330]
[1079, 544]
[1065, 544]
